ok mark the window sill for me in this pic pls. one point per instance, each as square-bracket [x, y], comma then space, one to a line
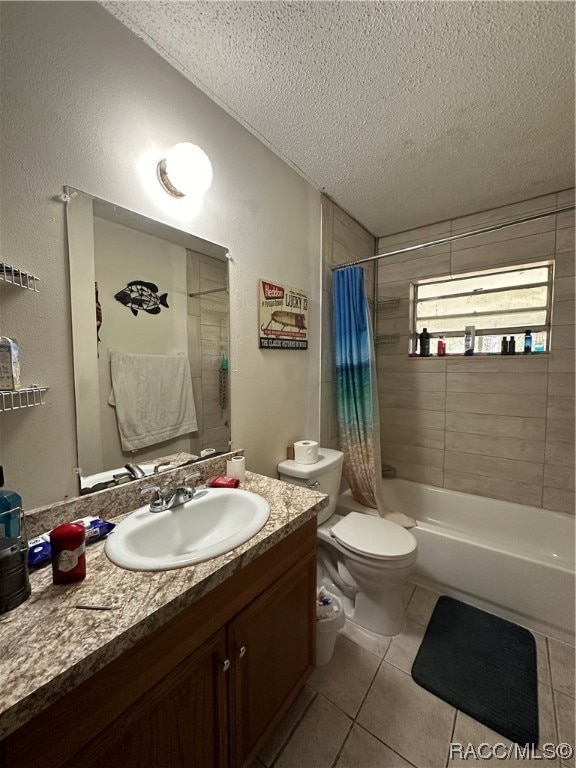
[482, 355]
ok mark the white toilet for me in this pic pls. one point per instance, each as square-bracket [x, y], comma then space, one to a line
[364, 558]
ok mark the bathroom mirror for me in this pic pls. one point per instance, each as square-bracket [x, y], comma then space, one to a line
[139, 289]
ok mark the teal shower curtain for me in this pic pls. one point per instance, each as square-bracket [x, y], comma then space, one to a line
[356, 388]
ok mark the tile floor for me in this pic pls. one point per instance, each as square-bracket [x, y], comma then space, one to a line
[363, 710]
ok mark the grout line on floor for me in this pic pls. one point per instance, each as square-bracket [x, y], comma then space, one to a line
[352, 724]
[294, 728]
[410, 599]
[337, 706]
[369, 633]
[554, 717]
[368, 689]
[548, 661]
[403, 757]
[451, 736]
[358, 645]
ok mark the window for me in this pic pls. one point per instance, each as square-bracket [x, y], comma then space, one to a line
[497, 303]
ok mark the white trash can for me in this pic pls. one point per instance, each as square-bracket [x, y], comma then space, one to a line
[329, 619]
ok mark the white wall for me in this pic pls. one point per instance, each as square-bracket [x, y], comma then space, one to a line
[84, 103]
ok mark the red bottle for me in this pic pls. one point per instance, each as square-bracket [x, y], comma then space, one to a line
[68, 553]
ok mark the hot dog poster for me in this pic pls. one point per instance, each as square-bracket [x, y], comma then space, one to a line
[283, 317]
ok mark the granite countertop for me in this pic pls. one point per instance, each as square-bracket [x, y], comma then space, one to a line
[49, 646]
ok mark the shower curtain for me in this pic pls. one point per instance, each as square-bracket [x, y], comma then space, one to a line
[357, 392]
[356, 385]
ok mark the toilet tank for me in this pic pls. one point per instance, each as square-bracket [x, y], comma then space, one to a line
[324, 475]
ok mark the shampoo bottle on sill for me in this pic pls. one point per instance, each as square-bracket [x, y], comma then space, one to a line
[425, 343]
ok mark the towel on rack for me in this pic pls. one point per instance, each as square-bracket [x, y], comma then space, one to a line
[153, 398]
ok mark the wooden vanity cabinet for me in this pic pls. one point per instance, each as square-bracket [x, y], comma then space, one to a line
[203, 691]
[271, 645]
[181, 721]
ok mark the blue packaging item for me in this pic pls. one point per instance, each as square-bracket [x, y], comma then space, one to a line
[96, 528]
[10, 507]
[39, 550]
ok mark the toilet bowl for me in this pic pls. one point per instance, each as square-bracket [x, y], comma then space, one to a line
[364, 559]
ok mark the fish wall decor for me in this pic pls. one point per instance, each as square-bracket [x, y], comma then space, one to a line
[142, 296]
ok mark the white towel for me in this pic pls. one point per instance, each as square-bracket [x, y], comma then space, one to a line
[153, 398]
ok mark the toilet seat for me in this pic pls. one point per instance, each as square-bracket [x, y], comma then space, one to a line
[373, 536]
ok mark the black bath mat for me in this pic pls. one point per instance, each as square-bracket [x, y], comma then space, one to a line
[484, 666]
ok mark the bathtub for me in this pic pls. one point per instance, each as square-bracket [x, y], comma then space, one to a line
[512, 560]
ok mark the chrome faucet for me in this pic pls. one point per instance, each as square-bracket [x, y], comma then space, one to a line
[174, 498]
[135, 471]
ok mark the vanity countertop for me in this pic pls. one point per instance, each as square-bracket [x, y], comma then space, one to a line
[48, 646]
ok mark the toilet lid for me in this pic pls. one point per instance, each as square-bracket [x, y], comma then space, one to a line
[373, 536]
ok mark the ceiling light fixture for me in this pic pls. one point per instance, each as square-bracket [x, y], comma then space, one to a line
[185, 171]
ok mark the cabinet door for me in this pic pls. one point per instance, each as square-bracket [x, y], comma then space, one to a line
[181, 722]
[271, 646]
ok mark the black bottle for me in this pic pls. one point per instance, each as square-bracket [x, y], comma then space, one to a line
[425, 343]
[505, 349]
[512, 346]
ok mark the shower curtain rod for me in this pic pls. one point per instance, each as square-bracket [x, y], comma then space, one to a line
[443, 240]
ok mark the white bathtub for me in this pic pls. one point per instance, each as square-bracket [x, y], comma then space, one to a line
[509, 559]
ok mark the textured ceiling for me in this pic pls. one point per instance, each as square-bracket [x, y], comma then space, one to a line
[405, 113]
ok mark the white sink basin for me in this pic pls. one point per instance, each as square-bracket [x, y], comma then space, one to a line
[213, 523]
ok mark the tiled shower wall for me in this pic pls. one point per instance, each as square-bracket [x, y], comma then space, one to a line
[494, 426]
[208, 334]
[343, 240]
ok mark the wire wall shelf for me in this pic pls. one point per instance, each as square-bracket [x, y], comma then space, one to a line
[18, 277]
[391, 338]
[22, 398]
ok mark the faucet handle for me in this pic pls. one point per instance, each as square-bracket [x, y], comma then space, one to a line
[158, 501]
[156, 488]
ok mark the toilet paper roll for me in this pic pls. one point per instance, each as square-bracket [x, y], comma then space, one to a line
[236, 467]
[306, 452]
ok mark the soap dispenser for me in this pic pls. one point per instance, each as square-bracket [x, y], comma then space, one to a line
[10, 510]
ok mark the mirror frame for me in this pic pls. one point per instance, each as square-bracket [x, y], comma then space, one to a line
[81, 208]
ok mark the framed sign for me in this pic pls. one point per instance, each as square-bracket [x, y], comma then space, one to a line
[283, 317]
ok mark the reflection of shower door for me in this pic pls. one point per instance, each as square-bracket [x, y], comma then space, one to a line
[208, 345]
